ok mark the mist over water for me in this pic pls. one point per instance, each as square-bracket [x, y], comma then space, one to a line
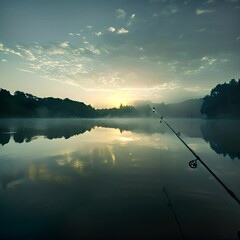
[104, 179]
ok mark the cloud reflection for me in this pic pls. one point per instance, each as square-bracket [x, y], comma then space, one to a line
[84, 161]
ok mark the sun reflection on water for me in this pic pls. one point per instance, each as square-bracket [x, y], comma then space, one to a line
[42, 172]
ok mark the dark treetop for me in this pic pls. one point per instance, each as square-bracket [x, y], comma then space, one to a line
[223, 101]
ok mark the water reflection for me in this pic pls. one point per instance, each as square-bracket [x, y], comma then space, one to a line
[42, 172]
[12, 178]
[107, 183]
[223, 136]
[63, 166]
[86, 161]
[4, 136]
[25, 130]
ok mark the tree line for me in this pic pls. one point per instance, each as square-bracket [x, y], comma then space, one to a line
[26, 105]
[223, 102]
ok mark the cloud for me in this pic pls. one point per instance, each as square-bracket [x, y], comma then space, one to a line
[107, 80]
[121, 13]
[27, 54]
[131, 19]
[205, 58]
[210, 61]
[145, 92]
[58, 62]
[132, 16]
[55, 51]
[201, 30]
[93, 49]
[24, 70]
[204, 11]
[64, 44]
[74, 34]
[111, 29]
[196, 89]
[157, 14]
[122, 31]
[98, 34]
[168, 10]
[9, 50]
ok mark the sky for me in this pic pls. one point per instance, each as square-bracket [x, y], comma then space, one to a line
[108, 52]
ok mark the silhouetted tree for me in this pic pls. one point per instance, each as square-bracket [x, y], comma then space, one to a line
[223, 101]
[122, 111]
[26, 105]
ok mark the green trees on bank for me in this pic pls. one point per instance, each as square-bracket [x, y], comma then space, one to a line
[223, 101]
[26, 105]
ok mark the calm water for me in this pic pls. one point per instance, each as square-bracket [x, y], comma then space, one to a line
[117, 179]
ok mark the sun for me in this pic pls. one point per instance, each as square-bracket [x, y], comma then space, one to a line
[118, 99]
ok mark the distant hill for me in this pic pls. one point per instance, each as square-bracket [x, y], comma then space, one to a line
[187, 109]
[26, 105]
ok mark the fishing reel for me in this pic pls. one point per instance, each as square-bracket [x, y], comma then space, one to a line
[193, 163]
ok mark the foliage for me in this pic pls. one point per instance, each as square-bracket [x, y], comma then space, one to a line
[26, 105]
[223, 101]
[122, 111]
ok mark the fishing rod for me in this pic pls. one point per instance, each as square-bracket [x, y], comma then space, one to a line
[193, 163]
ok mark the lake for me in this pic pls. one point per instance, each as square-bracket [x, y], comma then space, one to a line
[118, 179]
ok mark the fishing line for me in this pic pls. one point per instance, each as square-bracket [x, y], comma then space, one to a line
[193, 163]
[174, 213]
